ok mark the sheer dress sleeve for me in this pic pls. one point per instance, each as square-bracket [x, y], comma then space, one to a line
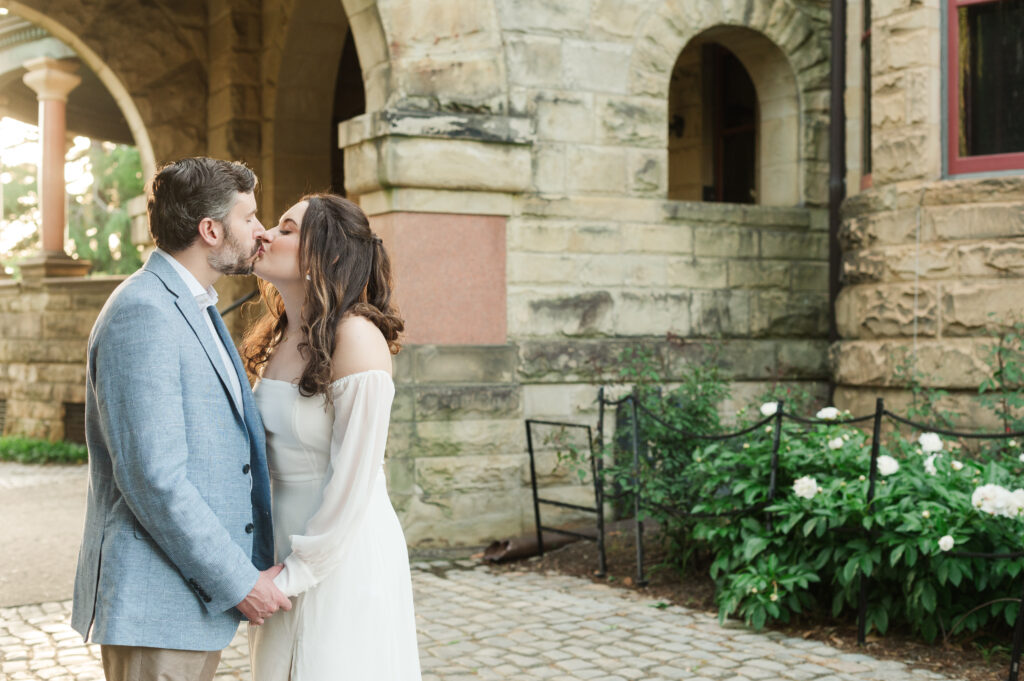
[362, 409]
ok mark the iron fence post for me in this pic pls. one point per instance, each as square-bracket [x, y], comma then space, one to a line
[876, 444]
[533, 485]
[640, 581]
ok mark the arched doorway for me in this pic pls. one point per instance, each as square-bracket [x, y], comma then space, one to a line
[319, 84]
[733, 121]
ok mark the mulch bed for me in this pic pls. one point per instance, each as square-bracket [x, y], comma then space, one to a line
[696, 590]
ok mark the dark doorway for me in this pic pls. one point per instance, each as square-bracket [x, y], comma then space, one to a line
[733, 109]
[349, 102]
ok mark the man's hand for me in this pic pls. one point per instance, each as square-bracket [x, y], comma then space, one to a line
[265, 598]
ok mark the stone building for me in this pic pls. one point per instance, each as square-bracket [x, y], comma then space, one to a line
[557, 181]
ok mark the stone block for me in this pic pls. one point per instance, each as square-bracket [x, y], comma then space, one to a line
[788, 315]
[602, 270]
[647, 172]
[534, 61]
[955, 363]
[596, 67]
[986, 221]
[561, 360]
[442, 475]
[596, 169]
[468, 519]
[631, 121]
[654, 313]
[809, 276]
[972, 308]
[545, 236]
[445, 403]
[657, 238]
[469, 438]
[464, 363]
[596, 238]
[436, 163]
[803, 359]
[21, 326]
[759, 274]
[442, 26]
[549, 169]
[617, 17]
[887, 310]
[698, 273]
[991, 259]
[401, 475]
[904, 155]
[560, 313]
[721, 313]
[69, 325]
[794, 245]
[541, 16]
[402, 409]
[726, 242]
[565, 117]
[542, 268]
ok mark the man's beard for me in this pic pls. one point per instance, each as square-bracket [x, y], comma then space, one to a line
[231, 259]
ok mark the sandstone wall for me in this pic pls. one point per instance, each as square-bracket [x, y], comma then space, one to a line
[933, 268]
[43, 337]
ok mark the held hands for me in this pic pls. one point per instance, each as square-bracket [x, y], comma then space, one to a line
[265, 598]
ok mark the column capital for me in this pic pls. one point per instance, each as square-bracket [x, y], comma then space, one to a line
[52, 79]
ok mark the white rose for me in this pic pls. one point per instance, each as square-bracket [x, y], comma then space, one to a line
[929, 465]
[997, 500]
[930, 442]
[1021, 457]
[926, 514]
[836, 443]
[887, 465]
[956, 465]
[827, 414]
[805, 487]
[946, 543]
[769, 408]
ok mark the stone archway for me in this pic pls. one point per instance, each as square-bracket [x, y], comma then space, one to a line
[106, 76]
[788, 62]
[315, 51]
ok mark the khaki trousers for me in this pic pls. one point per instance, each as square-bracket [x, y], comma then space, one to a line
[134, 663]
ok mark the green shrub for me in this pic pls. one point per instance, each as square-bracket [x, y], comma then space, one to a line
[31, 450]
[805, 553]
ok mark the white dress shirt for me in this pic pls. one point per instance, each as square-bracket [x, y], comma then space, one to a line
[205, 298]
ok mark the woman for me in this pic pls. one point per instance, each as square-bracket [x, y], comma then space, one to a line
[323, 354]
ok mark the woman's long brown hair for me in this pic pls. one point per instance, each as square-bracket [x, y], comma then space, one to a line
[349, 272]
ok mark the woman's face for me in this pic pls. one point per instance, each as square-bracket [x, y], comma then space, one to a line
[278, 261]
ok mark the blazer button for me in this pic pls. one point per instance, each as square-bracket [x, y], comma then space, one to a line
[249, 528]
[245, 469]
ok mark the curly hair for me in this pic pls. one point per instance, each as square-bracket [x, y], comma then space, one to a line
[349, 273]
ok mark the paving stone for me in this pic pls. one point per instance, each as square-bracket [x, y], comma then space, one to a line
[550, 628]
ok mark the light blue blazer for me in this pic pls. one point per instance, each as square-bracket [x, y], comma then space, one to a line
[177, 521]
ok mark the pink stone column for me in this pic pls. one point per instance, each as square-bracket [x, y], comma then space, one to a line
[52, 80]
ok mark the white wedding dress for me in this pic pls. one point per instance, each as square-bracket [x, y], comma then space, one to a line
[346, 562]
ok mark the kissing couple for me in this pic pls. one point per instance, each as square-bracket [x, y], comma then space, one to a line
[209, 502]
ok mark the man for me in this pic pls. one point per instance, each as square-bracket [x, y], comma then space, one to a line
[178, 537]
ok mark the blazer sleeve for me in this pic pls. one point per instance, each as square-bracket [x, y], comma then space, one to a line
[362, 411]
[137, 377]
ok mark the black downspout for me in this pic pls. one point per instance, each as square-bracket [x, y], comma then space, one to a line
[836, 166]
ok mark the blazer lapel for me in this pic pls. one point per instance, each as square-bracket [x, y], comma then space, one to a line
[193, 315]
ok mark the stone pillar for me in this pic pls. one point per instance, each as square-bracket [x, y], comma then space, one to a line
[52, 80]
[439, 188]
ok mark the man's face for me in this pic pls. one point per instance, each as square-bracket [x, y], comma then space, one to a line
[241, 242]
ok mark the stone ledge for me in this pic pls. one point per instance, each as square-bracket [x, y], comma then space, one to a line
[462, 126]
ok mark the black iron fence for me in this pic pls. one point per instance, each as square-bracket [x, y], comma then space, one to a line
[637, 411]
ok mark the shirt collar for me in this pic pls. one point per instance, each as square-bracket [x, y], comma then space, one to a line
[204, 297]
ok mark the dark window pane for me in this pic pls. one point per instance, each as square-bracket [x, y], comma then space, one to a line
[991, 61]
[738, 167]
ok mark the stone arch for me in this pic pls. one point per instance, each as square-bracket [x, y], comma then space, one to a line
[788, 62]
[301, 72]
[110, 80]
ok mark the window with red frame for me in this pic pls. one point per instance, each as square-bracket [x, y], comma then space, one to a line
[985, 72]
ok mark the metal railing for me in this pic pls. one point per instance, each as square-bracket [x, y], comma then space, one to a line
[637, 409]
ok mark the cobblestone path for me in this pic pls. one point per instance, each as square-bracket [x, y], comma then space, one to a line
[475, 624]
